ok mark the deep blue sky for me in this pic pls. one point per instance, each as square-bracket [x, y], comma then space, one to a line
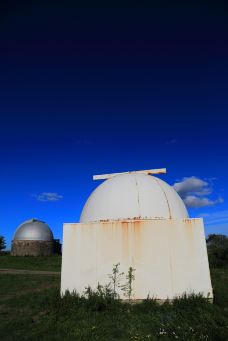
[101, 88]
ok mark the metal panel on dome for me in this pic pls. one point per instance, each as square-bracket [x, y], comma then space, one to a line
[33, 230]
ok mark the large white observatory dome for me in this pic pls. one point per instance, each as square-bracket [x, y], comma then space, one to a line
[133, 196]
[33, 230]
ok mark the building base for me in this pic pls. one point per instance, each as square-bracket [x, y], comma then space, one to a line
[31, 248]
[169, 257]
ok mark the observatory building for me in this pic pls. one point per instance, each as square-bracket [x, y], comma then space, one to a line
[139, 221]
[32, 238]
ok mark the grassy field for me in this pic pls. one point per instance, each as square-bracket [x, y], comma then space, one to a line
[52, 263]
[31, 309]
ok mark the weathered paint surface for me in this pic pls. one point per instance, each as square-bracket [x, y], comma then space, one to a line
[169, 256]
[127, 196]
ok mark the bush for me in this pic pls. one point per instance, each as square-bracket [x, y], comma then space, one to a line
[217, 246]
[2, 244]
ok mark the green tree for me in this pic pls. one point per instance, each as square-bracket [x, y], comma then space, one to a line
[217, 246]
[2, 243]
[57, 247]
[127, 288]
[115, 277]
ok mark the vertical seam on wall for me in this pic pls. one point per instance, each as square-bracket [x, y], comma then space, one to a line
[137, 189]
[167, 201]
[171, 260]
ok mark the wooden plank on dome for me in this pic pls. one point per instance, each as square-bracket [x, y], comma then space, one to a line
[148, 172]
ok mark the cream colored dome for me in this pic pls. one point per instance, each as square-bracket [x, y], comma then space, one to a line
[133, 196]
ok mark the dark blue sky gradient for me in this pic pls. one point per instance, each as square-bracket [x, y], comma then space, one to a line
[101, 88]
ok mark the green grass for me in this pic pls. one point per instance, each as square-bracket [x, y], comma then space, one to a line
[31, 309]
[220, 287]
[52, 263]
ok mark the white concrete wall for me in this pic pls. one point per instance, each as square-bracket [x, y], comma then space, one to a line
[169, 256]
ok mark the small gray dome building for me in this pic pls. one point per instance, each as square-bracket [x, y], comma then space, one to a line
[32, 238]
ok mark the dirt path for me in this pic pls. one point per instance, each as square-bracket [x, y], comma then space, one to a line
[29, 272]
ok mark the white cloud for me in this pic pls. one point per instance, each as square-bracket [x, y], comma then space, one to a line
[48, 196]
[192, 185]
[194, 192]
[195, 202]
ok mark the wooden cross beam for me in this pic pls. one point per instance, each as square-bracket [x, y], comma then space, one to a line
[148, 172]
